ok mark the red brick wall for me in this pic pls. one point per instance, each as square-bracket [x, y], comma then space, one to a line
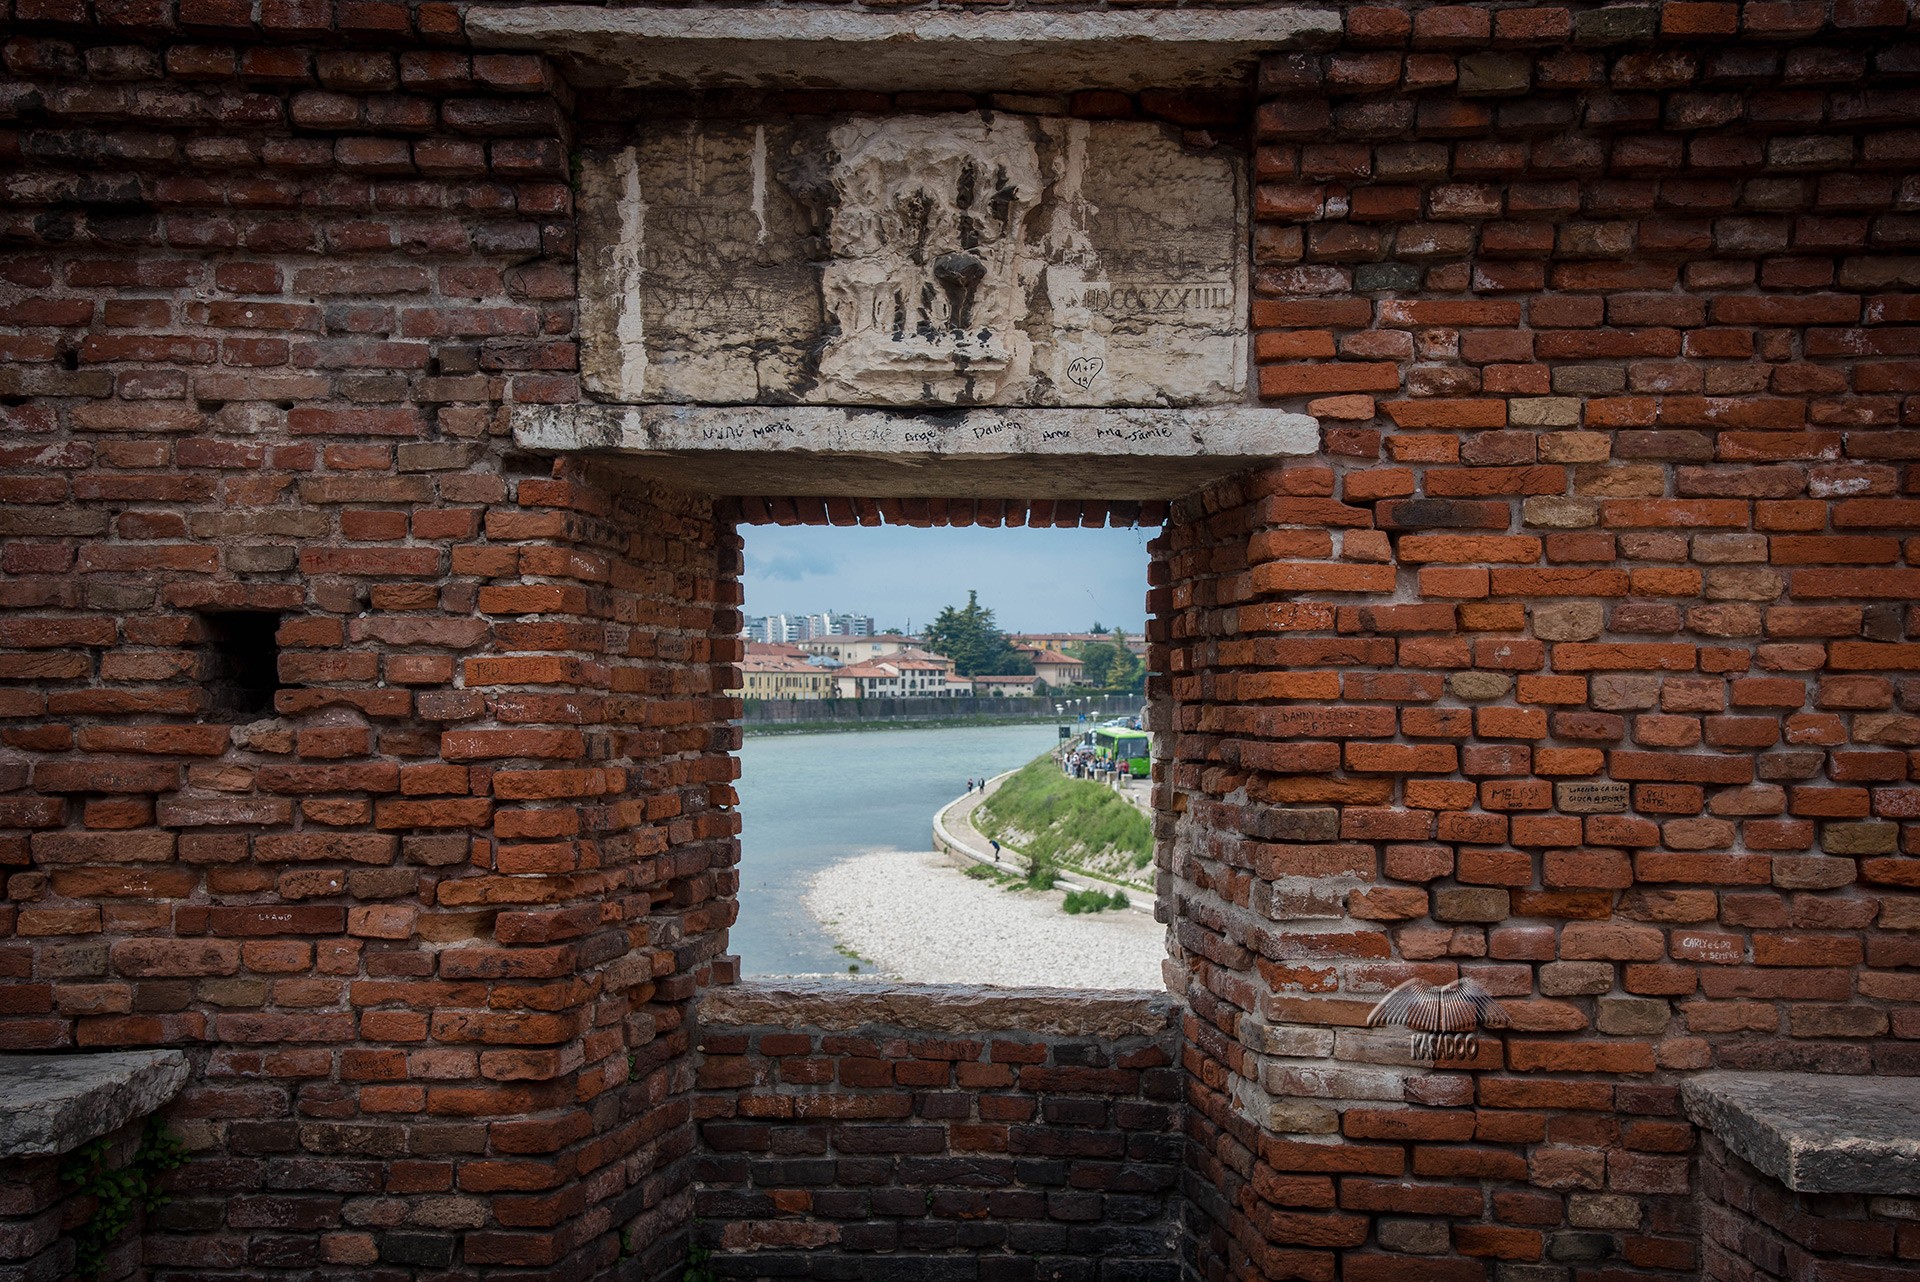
[430, 928]
[40, 1212]
[1608, 315]
[892, 1149]
[1755, 1229]
[1612, 343]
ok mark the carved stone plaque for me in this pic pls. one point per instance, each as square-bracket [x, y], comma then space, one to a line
[1591, 798]
[914, 260]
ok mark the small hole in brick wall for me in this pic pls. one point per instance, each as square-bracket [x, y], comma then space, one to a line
[243, 669]
[944, 772]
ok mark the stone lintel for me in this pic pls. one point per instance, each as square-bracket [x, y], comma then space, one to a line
[819, 47]
[1086, 453]
[843, 1005]
[1814, 1133]
[51, 1104]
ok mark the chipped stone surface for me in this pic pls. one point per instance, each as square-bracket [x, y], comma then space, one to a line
[1034, 51]
[51, 1104]
[840, 1005]
[914, 260]
[981, 453]
[1814, 1133]
[1249, 433]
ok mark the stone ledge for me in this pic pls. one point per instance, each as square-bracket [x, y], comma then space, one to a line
[844, 1005]
[52, 1104]
[1083, 453]
[820, 47]
[1812, 1132]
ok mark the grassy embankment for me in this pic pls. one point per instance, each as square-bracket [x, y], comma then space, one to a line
[1072, 823]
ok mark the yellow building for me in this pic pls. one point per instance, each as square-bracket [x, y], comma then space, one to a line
[779, 676]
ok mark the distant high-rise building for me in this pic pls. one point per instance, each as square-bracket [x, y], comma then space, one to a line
[776, 629]
[830, 624]
[785, 629]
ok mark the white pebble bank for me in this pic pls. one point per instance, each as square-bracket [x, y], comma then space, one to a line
[918, 918]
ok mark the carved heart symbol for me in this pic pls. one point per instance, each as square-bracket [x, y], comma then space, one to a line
[1084, 369]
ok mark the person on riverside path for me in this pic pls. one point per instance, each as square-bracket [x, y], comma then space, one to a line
[996, 849]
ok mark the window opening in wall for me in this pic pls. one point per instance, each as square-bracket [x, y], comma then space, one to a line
[242, 671]
[945, 775]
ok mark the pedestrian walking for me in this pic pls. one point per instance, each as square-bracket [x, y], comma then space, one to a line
[996, 849]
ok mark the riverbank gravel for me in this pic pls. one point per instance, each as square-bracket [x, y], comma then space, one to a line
[916, 917]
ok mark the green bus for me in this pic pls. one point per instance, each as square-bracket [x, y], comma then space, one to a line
[1130, 750]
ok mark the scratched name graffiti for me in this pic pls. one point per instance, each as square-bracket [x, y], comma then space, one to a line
[1133, 435]
[742, 432]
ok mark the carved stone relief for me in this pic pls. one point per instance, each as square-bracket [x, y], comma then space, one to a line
[914, 260]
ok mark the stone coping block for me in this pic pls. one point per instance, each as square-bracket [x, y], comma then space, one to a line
[52, 1104]
[1813, 1132]
[845, 1005]
[1086, 452]
[821, 47]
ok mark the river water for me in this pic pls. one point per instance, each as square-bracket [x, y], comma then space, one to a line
[810, 800]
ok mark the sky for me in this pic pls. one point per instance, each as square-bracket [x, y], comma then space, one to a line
[1045, 580]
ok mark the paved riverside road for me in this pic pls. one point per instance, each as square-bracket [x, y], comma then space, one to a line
[953, 832]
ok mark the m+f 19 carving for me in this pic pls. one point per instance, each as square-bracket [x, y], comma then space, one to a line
[1444, 1021]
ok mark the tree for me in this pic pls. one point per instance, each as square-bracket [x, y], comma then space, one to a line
[978, 648]
[1128, 674]
[1096, 659]
[1109, 665]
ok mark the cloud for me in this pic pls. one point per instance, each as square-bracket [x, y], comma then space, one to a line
[792, 566]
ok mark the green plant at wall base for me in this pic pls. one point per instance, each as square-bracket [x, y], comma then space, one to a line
[117, 1191]
[697, 1270]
